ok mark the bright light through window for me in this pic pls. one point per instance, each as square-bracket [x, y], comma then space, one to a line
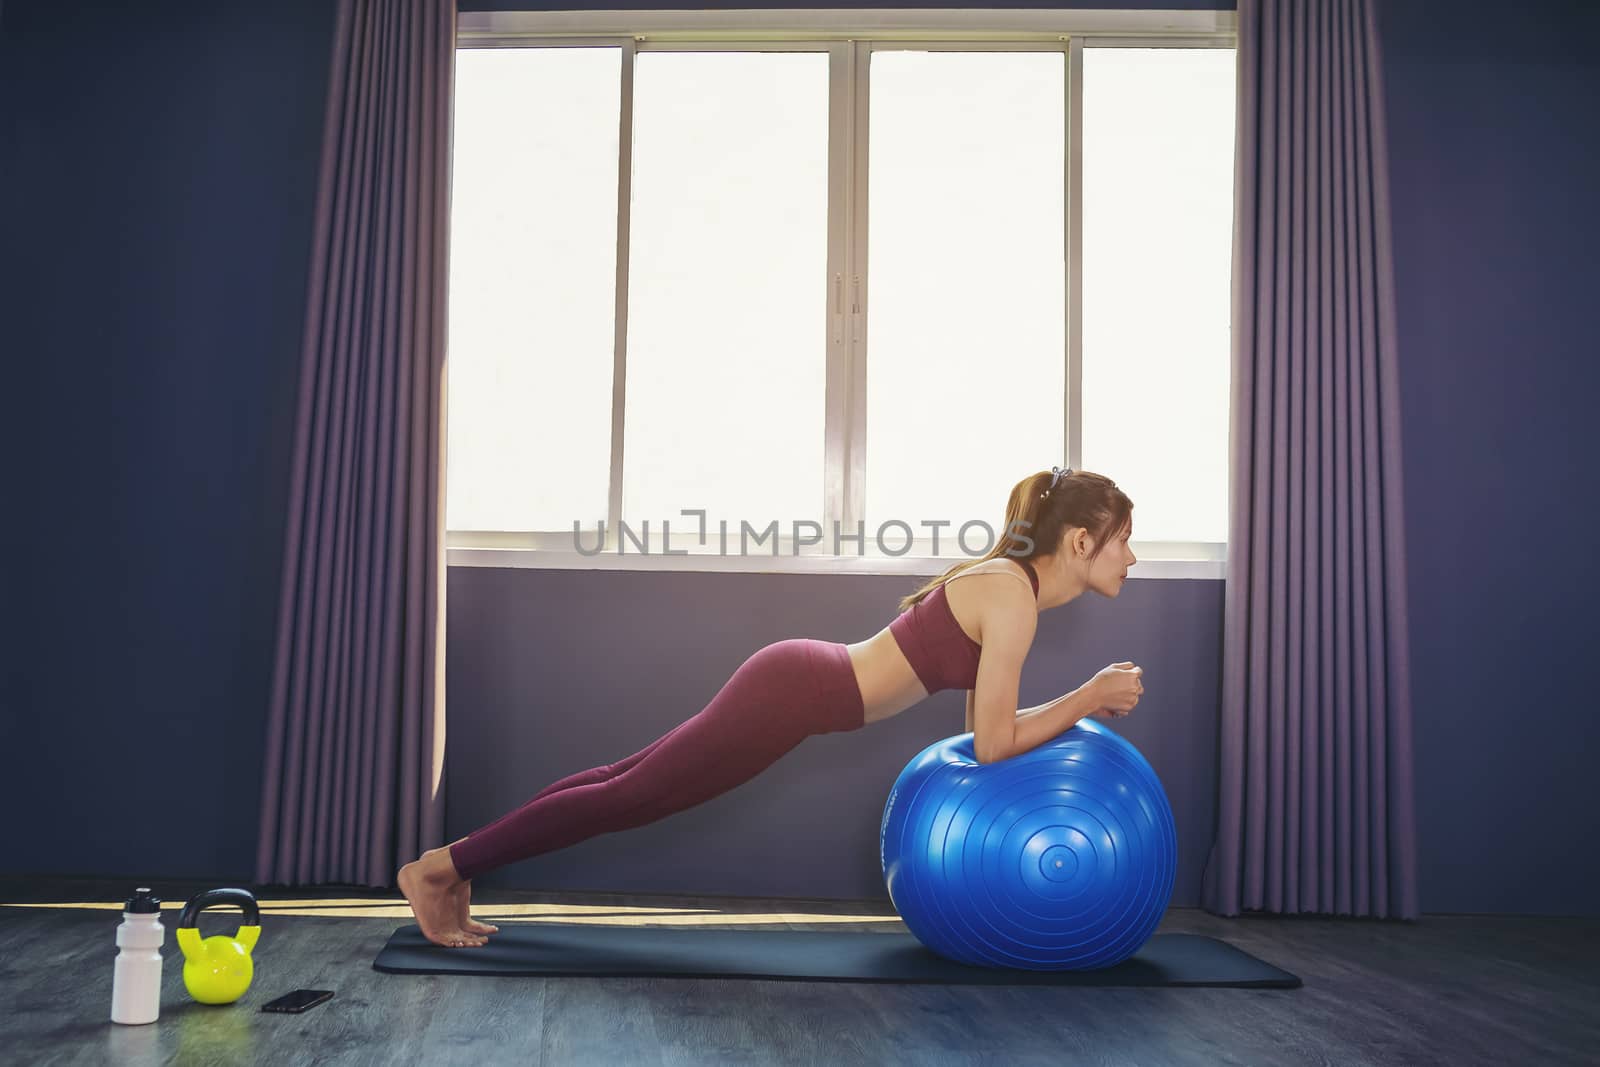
[966, 356]
[727, 334]
[1157, 249]
[727, 357]
[533, 254]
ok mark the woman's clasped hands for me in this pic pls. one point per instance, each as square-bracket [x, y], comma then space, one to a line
[1116, 690]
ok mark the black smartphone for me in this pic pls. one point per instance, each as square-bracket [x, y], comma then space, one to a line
[298, 1001]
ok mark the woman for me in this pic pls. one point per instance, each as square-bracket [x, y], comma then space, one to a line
[1066, 532]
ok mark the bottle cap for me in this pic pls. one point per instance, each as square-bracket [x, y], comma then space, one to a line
[142, 902]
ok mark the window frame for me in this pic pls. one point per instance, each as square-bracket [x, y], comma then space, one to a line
[850, 38]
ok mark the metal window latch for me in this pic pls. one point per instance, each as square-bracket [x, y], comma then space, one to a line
[838, 308]
[855, 312]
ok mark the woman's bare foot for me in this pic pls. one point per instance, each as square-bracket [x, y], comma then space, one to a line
[462, 892]
[428, 884]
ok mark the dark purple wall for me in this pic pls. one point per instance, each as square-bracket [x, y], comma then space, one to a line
[155, 229]
[760, 5]
[1495, 158]
[158, 175]
[554, 671]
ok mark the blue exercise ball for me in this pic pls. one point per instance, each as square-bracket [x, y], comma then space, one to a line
[1059, 858]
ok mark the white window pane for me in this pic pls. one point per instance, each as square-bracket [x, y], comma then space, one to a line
[1157, 247]
[532, 325]
[727, 311]
[966, 356]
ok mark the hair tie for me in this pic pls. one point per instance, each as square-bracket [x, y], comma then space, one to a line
[1056, 475]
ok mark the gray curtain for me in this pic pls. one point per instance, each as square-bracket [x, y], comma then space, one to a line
[1315, 812]
[355, 734]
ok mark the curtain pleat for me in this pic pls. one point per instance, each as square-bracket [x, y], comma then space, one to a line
[1315, 804]
[354, 755]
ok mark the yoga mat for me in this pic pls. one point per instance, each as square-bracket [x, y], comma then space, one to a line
[573, 949]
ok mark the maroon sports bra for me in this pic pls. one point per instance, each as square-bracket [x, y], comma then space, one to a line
[939, 651]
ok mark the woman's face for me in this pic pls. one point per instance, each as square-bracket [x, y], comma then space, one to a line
[1109, 570]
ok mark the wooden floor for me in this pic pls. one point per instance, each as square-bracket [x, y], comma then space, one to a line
[1449, 990]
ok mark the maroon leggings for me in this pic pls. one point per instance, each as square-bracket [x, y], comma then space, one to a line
[777, 698]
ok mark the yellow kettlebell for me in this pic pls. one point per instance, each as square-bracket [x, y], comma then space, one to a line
[218, 969]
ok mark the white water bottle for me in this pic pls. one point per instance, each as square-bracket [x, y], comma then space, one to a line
[136, 983]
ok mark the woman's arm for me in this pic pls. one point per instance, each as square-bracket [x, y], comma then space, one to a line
[1008, 631]
[1032, 727]
[1039, 724]
[1037, 709]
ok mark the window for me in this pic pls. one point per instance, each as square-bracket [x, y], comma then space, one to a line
[1157, 254]
[809, 299]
